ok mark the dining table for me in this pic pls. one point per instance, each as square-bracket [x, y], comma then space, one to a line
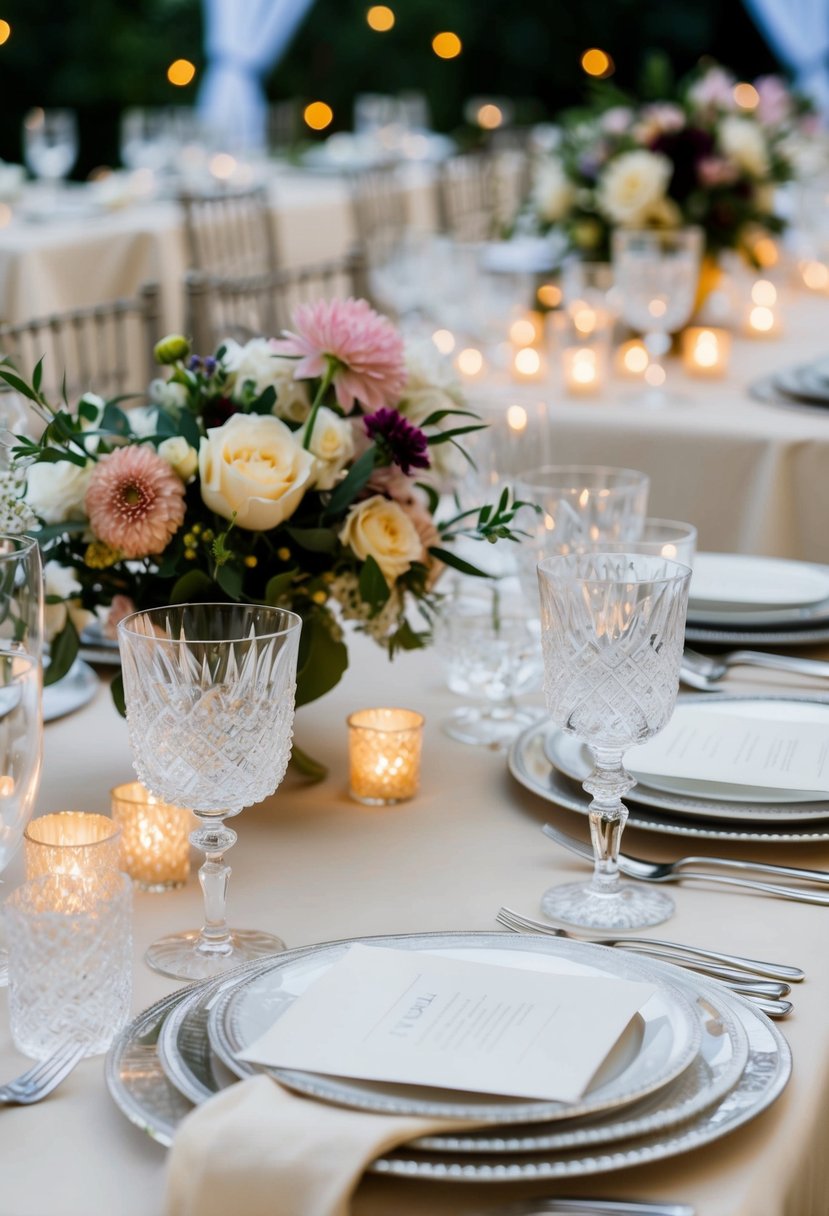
[313, 865]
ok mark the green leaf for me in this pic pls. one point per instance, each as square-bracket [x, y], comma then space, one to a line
[373, 587]
[457, 563]
[56, 455]
[307, 765]
[432, 495]
[114, 420]
[264, 403]
[408, 639]
[87, 410]
[446, 436]
[315, 540]
[165, 425]
[322, 660]
[53, 531]
[229, 579]
[350, 487]
[62, 653]
[116, 688]
[276, 587]
[37, 375]
[17, 382]
[189, 428]
[192, 587]
[439, 415]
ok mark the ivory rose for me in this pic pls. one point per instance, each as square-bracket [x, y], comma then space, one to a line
[381, 529]
[253, 466]
[56, 492]
[332, 445]
[742, 140]
[181, 457]
[632, 185]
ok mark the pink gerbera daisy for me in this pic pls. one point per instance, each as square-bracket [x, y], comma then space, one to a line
[363, 348]
[135, 502]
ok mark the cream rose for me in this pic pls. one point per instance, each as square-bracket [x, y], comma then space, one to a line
[254, 467]
[632, 184]
[742, 141]
[553, 193]
[381, 529]
[181, 457]
[63, 581]
[256, 364]
[56, 492]
[332, 445]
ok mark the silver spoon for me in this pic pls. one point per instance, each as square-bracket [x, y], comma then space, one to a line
[704, 672]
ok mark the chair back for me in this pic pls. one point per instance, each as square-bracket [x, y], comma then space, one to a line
[380, 207]
[230, 232]
[261, 305]
[467, 196]
[107, 349]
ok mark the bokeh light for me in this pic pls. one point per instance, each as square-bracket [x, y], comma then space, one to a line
[470, 361]
[181, 72]
[746, 96]
[444, 340]
[523, 332]
[447, 45]
[815, 275]
[549, 295]
[5, 32]
[318, 115]
[490, 116]
[765, 293]
[517, 418]
[380, 18]
[527, 361]
[596, 62]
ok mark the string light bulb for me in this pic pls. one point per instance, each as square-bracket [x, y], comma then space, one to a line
[181, 72]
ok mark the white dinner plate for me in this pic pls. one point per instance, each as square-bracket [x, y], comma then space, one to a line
[192, 1066]
[665, 1039]
[736, 590]
[572, 757]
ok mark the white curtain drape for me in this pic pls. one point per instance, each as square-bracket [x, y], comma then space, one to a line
[243, 39]
[798, 32]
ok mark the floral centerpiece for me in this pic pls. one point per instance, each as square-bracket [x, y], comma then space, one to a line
[710, 157]
[304, 472]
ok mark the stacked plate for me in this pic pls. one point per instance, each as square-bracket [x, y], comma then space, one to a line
[554, 765]
[697, 1062]
[737, 600]
[806, 384]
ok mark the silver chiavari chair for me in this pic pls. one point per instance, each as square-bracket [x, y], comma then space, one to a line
[467, 196]
[107, 349]
[380, 208]
[230, 231]
[222, 307]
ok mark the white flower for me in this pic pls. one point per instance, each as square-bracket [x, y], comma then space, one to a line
[632, 184]
[167, 394]
[178, 453]
[332, 445]
[62, 581]
[16, 515]
[553, 193]
[616, 120]
[742, 140]
[257, 365]
[143, 419]
[253, 466]
[56, 492]
[431, 383]
[381, 529]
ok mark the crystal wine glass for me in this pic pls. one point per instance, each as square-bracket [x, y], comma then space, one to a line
[210, 704]
[21, 715]
[50, 143]
[612, 629]
[657, 273]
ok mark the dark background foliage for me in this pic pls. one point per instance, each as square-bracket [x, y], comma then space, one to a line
[100, 56]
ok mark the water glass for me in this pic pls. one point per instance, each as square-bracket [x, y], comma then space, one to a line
[612, 628]
[657, 274]
[50, 143]
[488, 637]
[70, 961]
[145, 139]
[659, 538]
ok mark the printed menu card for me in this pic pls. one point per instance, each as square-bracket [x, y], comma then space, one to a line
[425, 1019]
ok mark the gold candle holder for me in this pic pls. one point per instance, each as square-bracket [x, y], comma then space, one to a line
[705, 351]
[71, 842]
[384, 747]
[155, 837]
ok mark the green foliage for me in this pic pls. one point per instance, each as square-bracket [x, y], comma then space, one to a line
[322, 659]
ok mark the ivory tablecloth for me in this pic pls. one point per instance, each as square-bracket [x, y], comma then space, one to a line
[312, 865]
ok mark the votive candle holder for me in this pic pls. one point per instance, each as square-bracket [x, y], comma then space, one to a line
[71, 842]
[155, 837]
[384, 747]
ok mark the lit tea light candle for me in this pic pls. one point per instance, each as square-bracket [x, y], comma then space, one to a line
[582, 370]
[815, 275]
[762, 318]
[384, 747]
[527, 331]
[527, 364]
[155, 837]
[71, 842]
[444, 340]
[470, 362]
[631, 359]
[705, 351]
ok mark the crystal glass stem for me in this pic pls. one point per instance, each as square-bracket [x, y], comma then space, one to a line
[213, 838]
[608, 815]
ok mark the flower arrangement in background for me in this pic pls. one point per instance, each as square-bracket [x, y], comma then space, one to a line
[711, 157]
[304, 472]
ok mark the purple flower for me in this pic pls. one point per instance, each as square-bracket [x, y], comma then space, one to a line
[193, 363]
[397, 439]
[210, 365]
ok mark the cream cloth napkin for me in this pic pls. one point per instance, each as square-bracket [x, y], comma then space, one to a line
[255, 1148]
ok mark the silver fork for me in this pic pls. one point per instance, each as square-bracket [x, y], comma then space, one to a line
[676, 871]
[43, 1077]
[594, 1207]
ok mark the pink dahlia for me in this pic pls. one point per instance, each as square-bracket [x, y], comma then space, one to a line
[365, 350]
[135, 502]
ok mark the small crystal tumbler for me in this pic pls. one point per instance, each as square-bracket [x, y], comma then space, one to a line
[384, 748]
[71, 842]
[70, 960]
[155, 837]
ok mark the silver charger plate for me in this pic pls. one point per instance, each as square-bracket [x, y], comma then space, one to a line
[530, 766]
[765, 1077]
[571, 757]
[703, 635]
[191, 1066]
[141, 1090]
[664, 1041]
[76, 689]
